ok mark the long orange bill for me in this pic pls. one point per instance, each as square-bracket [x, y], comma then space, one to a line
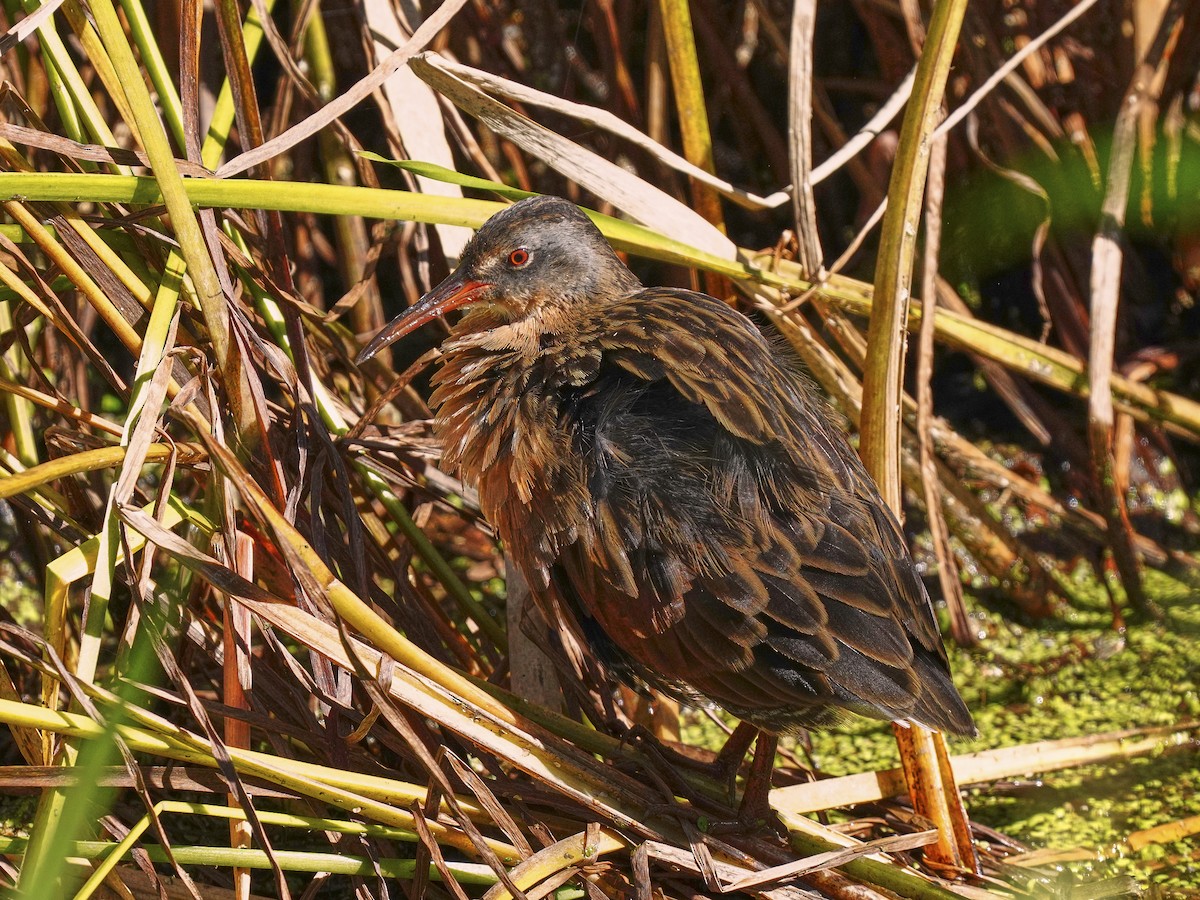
[450, 294]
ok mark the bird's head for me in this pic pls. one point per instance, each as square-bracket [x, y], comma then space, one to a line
[530, 259]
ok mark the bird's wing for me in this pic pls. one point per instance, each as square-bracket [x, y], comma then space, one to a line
[737, 545]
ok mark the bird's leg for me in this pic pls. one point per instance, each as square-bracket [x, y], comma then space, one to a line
[729, 761]
[663, 762]
[756, 802]
[754, 811]
[724, 769]
[660, 764]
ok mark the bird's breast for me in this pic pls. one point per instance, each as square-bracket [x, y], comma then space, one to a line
[499, 420]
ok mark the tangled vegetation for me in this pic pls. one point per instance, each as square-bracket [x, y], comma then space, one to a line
[255, 639]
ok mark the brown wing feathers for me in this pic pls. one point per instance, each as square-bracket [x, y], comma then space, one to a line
[757, 588]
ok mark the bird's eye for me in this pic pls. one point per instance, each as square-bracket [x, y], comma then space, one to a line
[518, 257]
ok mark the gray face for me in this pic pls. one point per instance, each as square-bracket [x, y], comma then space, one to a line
[541, 250]
[536, 256]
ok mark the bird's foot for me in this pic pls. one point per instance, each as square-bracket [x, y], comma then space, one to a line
[747, 823]
[723, 769]
[754, 810]
[752, 818]
[654, 758]
[663, 764]
[638, 735]
[668, 769]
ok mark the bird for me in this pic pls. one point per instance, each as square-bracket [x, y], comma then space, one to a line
[673, 487]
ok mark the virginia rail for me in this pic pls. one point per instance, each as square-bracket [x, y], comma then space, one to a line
[662, 478]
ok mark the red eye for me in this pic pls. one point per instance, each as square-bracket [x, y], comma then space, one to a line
[518, 257]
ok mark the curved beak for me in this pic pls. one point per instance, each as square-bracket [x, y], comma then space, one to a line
[450, 294]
